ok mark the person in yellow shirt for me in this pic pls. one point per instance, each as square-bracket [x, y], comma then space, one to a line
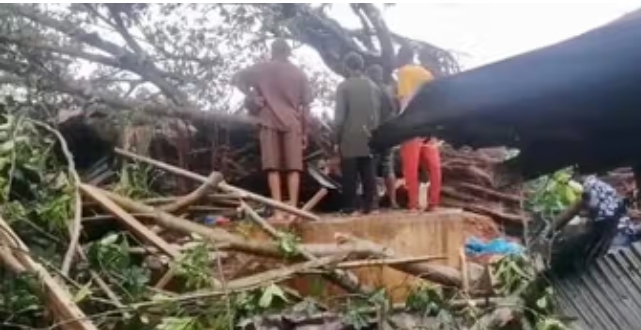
[417, 151]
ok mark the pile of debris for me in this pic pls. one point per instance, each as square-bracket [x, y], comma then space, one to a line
[233, 150]
[112, 252]
[469, 183]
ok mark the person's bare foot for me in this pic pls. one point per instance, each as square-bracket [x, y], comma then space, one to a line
[277, 217]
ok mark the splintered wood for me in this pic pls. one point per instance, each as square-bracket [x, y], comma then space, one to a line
[15, 255]
[390, 251]
[469, 183]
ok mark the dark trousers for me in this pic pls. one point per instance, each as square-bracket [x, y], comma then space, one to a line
[353, 169]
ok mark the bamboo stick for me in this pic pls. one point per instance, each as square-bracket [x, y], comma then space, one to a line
[211, 182]
[224, 186]
[436, 273]
[386, 262]
[317, 198]
[216, 235]
[66, 311]
[134, 225]
[341, 278]
[252, 282]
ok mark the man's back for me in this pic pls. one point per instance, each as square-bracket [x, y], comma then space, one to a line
[284, 88]
[357, 114]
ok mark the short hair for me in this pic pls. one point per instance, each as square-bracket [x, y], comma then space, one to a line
[280, 48]
[374, 71]
[354, 62]
[406, 54]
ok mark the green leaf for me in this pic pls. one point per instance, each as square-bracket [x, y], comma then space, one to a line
[110, 239]
[267, 298]
[84, 292]
[178, 323]
[542, 303]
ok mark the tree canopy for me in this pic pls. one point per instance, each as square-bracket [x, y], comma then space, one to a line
[174, 59]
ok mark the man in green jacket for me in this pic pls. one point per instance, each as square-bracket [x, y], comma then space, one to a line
[357, 113]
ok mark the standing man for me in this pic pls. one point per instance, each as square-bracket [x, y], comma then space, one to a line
[388, 111]
[417, 151]
[356, 114]
[279, 94]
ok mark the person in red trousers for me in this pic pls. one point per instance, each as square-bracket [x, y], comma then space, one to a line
[417, 151]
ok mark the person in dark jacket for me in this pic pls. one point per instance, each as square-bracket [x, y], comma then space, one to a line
[357, 113]
[385, 159]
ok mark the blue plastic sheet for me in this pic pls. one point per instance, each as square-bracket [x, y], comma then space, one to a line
[475, 246]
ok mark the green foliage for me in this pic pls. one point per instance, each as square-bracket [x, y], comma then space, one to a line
[256, 302]
[195, 268]
[516, 276]
[513, 275]
[356, 311]
[550, 324]
[288, 244]
[425, 298]
[32, 179]
[18, 303]
[111, 256]
[179, 323]
[136, 181]
[550, 195]
[35, 200]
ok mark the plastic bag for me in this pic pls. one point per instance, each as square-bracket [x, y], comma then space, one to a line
[475, 247]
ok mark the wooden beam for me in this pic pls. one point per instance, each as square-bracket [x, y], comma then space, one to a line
[67, 313]
[224, 186]
[134, 225]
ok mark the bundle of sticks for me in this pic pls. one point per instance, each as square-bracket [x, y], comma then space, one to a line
[468, 183]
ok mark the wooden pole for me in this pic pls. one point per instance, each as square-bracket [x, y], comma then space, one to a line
[341, 278]
[386, 262]
[134, 225]
[142, 232]
[436, 273]
[67, 313]
[216, 235]
[224, 186]
[317, 198]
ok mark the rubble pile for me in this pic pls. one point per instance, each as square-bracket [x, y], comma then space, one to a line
[469, 183]
[104, 249]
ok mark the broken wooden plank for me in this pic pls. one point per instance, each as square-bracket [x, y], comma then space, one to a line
[341, 278]
[137, 228]
[212, 182]
[436, 273]
[67, 313]
[224, 186]
[215, 235]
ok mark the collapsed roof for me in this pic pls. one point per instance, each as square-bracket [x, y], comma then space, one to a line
[574, 103]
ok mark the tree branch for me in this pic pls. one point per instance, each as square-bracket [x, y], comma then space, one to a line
[383, 34]
[366, 39]
[127, 60]
[80, 89]
[120, 27]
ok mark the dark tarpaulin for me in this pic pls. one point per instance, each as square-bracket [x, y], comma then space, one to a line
[574, 103]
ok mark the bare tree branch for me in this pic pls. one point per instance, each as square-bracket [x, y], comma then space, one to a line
[120, 26]
[128, 60]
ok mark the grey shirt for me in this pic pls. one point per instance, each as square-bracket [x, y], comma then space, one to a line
[357, 113]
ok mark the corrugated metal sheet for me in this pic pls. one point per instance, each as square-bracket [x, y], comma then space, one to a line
[607, 295]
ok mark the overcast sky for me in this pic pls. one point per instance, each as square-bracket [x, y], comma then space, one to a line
[490, 32]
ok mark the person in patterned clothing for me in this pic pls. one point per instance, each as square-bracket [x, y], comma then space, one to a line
[605, 209]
